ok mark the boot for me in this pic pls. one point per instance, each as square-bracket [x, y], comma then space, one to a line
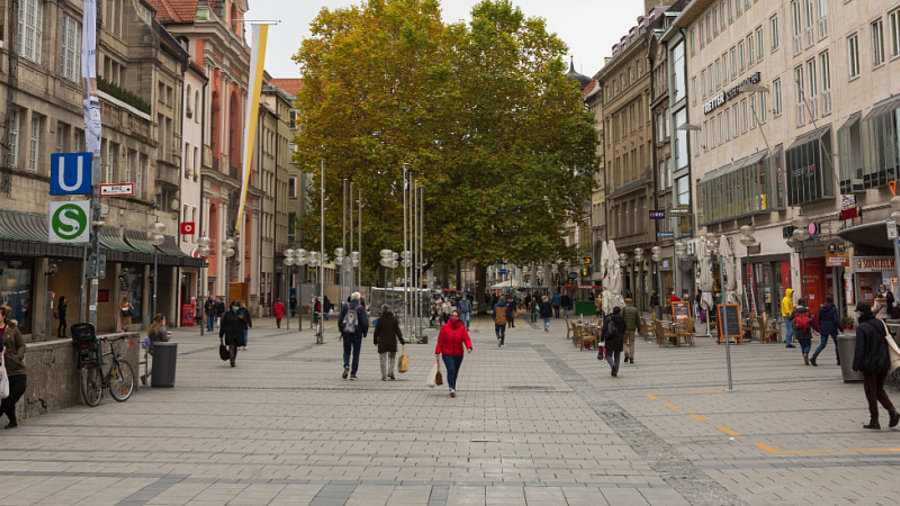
[895, 419]
[806, 358]
[813, 361]
[873, 424]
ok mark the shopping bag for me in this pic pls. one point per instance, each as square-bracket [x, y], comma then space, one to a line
[4, 378]
[403, 361]
[224, 354]
[434, 374]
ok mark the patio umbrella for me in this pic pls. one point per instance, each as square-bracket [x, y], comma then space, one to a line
[706, 276]
[727, 266]
[614, 298]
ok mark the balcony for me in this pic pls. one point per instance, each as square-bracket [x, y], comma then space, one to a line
[168, 174]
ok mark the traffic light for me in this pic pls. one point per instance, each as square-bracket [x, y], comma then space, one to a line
[586, 272]
[587, 260]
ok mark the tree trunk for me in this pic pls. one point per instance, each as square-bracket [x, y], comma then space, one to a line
[481, 287]
[459, 279]
[445, 275]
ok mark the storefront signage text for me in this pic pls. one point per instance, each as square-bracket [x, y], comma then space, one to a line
[720, 99]
[873, 264]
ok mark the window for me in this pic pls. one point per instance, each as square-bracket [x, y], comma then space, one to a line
[736, 119]
[739, 7]
[730, 11]
[823, 18]
[721, 132]
[812, 100]
[679, 75]
[70, 52]
[725, 71]
[810, 34]
[776, 90]
[877, 43]
[693, 41]
[763, 97]
[727, 118]
[703, 82]
[709, 34]
[760, 43]
[797, 26]
[853, 55]
[139, 177]
[810, 173]
[63, 131]
[734, 62]
[754, 116]
[681, 139]
[824, 67]
[740, 53]
[715, 20]
[718, 77]
[662, 175]
[894, 17]
[723, 17]
[683, 191]
[712, 133]
[750, 49]
[800, 98]
[773, 32]
[13, 137]
[31, 23]
[706, 135]
[694, 89]
[744, 122]
[34, 146]
[851, 157]
[702, 33]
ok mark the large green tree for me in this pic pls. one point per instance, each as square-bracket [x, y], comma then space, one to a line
[483, 114]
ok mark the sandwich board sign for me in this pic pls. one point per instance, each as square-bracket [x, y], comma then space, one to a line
[70, 221]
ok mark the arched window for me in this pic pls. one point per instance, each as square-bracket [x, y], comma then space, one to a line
[190, 109]
[197, 106]
[234, 132]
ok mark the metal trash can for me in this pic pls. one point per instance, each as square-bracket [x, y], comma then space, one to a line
[847, 348]
[164, 357]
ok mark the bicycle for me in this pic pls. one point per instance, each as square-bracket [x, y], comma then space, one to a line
[119, 377]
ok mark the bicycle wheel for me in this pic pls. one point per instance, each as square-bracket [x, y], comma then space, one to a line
[91, 384]
[121, 380]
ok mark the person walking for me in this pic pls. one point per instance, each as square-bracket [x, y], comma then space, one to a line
[13, 345]
[126, 311]
[500, 315]
[246, 322]
[556, 301]
[209, 309]
[801, 319]
[326, 308]
[654, 304]
[446, 308]
[614, 333]
[787, 307]
[452, 338]
[511, 312]
[61, 309]
[632, 325]
[231, 328]
[873, 360]
[566, 303]
[292, 304]
[546, 311]
[829, 323]
[465, 311]
[354, 325]
[220, 310]
[387, 333]
[278, 311]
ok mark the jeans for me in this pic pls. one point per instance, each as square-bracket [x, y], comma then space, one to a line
[466, 318]
[210, 320]
[511, 319]
[805, 345]
[613, 358]
[352, 342]
[788, 331]
[556, 309]
[824, 343]
[566, 311]
[452, 364]
[387, 364]
[547, 322]
[874, 387]
[246, 332]
[500, 330]
[534, 316]
[16, 391]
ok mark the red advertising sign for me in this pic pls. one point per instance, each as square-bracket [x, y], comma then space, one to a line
[187, 228]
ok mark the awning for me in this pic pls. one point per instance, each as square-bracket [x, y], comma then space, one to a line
[810, 137]
[869, 235]
[115, 247]
[884, 107]
[28, 234]
[734, 166]
[630, 187]
[851, 120]
[174, 256]
[138, 240]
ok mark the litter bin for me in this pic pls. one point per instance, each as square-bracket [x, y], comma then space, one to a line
[164, 356]
[847, 348]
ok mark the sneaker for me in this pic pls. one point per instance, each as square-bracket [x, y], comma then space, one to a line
[499, 344]
[346, 372]
[452, 393]
[895, 419]
[384, 378]
[391, 376]
[354, 378]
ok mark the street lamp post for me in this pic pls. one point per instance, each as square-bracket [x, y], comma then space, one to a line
[895, 218]
[157, 238]
[656, 251]
[748, 241]
[639, 267]
[203, 252]
[228, 252]
[294, 257]
[801, 234]
[680, 249]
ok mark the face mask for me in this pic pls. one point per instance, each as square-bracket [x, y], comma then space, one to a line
[236, 308]
[454, 318]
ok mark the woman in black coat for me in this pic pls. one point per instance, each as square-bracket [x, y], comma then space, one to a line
[232, 329]
[387, 332]
[614, 330]
[873, 360]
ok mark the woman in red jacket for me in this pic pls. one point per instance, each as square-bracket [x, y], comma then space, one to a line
[451, 340]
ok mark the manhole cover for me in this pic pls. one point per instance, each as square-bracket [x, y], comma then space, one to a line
[529, 387]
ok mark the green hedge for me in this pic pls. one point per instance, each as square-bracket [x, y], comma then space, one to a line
[124, 95]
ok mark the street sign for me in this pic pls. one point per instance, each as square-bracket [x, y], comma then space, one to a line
[665, 235]
[657, 215]
[679, 211]
[891, 229]
[187, 228]
[117, 189]
[70, 174]
[502, 272]
[70, 221]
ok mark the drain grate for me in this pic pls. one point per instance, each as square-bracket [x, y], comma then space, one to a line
[537, 388]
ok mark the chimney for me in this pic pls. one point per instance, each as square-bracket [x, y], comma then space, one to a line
[650, 4]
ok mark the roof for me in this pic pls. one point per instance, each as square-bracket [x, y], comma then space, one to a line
[176, 11]
[290, 85]
[581, 79]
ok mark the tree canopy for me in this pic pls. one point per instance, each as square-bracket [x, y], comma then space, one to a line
[481, 113]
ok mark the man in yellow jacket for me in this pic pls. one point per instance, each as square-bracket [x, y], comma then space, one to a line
[787, 307]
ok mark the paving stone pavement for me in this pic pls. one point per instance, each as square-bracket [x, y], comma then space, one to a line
[535, 422]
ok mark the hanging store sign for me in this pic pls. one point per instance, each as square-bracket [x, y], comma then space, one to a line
[657, 215]
[720, 99]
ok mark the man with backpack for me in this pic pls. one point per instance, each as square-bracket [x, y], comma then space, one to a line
[500, 315]
[801, 319]
[354, 325]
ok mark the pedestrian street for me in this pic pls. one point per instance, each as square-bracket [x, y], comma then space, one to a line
[535, 422]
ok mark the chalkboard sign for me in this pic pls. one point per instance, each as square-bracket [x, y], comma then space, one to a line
[732, 319]
[681, 311]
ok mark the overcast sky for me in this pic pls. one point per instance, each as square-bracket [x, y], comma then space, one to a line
[588, 27]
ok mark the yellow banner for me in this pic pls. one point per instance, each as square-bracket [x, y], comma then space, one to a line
[257, 59]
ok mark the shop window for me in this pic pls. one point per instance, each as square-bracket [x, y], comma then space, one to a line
[747, 187]
[16, 290]
[881, 153]
[809, 168]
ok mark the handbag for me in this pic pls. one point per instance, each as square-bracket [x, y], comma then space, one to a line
[435, 374]
[4, 378]
[893, 349]
[224, 354]
[403, 361]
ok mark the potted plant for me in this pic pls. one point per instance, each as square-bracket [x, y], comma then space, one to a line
[847, 323]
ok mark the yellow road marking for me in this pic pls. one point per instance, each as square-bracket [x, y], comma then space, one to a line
[655, 398]
[698, 417]
[777, 452]
[668, 405]
[728, 431]
[874, 450]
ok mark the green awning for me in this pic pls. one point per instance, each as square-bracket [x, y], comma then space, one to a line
[138, 240]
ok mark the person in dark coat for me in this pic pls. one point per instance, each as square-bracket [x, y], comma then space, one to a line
[61, 315]
[387, 332]
[566, 303]
[546, 312]
[353, 340]
[232, 330]
[804, 336]
[829, 323]
[614, 332]
[13, 345]
[220, 310]
[873, 360]
[243, 315]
